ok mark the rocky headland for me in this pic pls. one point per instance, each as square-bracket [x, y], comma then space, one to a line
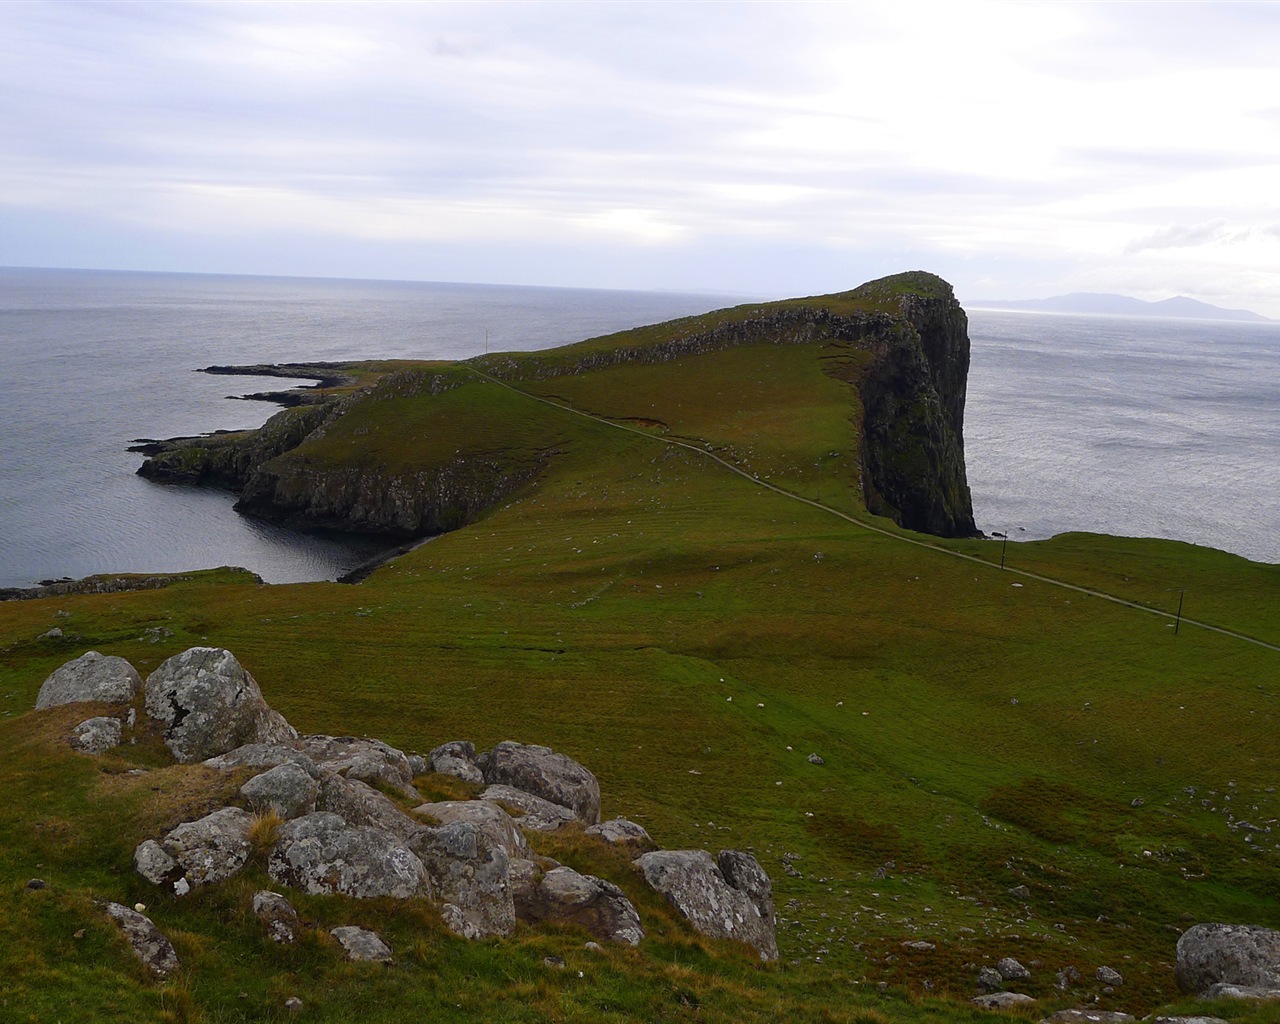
[908, 405]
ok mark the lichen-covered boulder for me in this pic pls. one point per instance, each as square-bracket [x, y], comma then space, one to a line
[263, 755]
[470, 875]
[145, 939]
[96, 735]
[277, 916]
[457, 758]
[90, 677]
[624, 833]
[288, 789]
[546, 774]
[491, 819]
[362, 759]
[360, 804]
[1229, 954]
[362, 944]
[534, 813]
[563, 894]
[152, 863]
[696, 885]
[209, 705]
[320, 853]
[212, 848]
[1002, 1000]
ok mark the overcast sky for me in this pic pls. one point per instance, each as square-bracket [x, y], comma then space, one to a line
[1020, 150]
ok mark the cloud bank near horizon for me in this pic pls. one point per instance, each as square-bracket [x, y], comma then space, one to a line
[1019, 150]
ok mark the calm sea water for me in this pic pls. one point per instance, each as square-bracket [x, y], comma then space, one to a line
[90, 360]
[1138, 427]
[1159, 428]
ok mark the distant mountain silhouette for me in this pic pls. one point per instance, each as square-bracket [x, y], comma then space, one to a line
[1120, 305]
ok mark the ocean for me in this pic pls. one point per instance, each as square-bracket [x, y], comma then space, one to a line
[1158, 427]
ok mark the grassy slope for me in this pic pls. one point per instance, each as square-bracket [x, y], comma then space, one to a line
[977, 734]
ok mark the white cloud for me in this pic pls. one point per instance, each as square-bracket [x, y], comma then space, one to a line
[997, 139]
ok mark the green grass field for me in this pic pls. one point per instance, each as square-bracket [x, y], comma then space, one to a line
[692, 636]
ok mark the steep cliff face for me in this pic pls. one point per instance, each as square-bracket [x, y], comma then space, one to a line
[913, 397]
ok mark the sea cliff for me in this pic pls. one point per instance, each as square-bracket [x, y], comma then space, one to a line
[381, 460]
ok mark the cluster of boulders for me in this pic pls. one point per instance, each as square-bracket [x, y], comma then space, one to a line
[317, 807]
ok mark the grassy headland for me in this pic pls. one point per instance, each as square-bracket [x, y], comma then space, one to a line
[691, 636]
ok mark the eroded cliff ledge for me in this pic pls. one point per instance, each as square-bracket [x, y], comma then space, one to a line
[424, 449]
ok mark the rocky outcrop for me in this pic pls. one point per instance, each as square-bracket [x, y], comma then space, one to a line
[90, 677]
[363, 760]
[706, 895]
[488, 817]
[544, 773]
[1228, 954]
[321, 853]
[323, 829]
[532, 812]
[287, 789]
[457, 758]
[564, 895]
[211, 849]
[911, 393]
[470, 877]
[210, 705]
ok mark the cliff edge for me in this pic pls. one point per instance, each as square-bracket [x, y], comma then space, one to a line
[431, 448]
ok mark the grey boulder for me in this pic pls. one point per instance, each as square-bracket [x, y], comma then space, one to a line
[319, 853]
[1225, 991]
[152, 863]
[1109, 976]
[457, 758]
[1230, 954]
[702, 890]
[263, 755]
[90, 677]
[145, 939]
[213, 848]
[564, 895]
[95, 735]
[362, 944]
[361, 759]
[360, 804]
[277, 915]
[1002, 1000]
[536, 814]
[288, 789]
[624, 833]
[491, 819]
[546, 774]
[1011, 970]
[470, 875]
[209, 705]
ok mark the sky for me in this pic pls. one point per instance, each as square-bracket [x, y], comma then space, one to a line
[1019, 150]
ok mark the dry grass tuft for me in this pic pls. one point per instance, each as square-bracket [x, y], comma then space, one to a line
[263, 831]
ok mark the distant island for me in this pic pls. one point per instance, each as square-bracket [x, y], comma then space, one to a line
[1121, 305]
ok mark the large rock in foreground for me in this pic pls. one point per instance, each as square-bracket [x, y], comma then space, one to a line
[319, 853]
[145, 939]
[732, 899]
[90, 677]
[544, 773]
[210, 705]
[1231, 954]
